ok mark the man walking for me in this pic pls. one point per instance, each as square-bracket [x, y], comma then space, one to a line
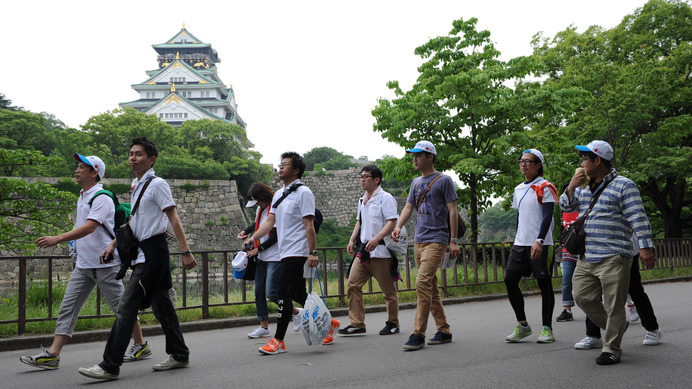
[377, 216]
[292, 212]
[92, 229]
[151, 275]
[605, 267]
[534, 200]
[434, 197]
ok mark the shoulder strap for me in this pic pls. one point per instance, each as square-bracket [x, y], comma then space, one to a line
[286, 193]
[595, 198]
[139, 198]
[420, 200]
[115, 203]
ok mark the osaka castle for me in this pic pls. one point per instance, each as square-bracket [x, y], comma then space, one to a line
[186, 85]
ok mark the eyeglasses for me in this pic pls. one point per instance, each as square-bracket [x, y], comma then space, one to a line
[364, 176]
[285, 164]
[526, 161]
[586, 159]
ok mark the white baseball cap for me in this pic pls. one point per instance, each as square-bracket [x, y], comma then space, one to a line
[536, 153]
[598, 147]
[92, 161]
[251, 204]
[421, 146]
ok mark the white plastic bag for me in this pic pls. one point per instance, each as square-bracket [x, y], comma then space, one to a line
[316, 318]
[400, 247]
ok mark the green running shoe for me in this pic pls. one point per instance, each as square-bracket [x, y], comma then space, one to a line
[520, 332]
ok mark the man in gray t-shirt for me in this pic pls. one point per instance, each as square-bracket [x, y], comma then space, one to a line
[435, 199]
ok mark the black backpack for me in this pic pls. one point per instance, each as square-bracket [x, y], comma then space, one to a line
[317, 220]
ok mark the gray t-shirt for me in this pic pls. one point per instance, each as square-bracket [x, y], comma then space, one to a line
[432, 223]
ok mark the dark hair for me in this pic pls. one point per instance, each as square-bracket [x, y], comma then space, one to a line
[91, 170]
[260, 191]
[592, 156]
[297, 162]
[374, 171]
[428, 153]
[149, 146]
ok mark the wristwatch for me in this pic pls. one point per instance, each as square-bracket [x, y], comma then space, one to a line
[314, 252]
[187, 253]
[540, 241]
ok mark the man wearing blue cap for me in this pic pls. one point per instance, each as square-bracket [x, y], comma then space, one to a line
[91, 231]
[604, 269]
[534, 200]
[435, 199]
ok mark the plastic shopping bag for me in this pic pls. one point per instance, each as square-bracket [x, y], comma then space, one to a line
[400, 247]
[316, 318]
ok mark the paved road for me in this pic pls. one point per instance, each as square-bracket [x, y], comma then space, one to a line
[478, 357]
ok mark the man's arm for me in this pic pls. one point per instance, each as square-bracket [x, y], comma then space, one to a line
[385, 231]
[352, 239]
[403, 218]
[188, 260]
[537, 248]
[454, 250]
[263, 229]
[76, 233]
[312, 239]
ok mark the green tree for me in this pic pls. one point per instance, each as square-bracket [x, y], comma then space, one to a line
[462, 103]
[319, 155]
[637, 79]
[20, 129]
[29, 210]
[340, 162]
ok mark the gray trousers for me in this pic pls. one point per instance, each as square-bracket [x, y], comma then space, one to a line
[81, 283]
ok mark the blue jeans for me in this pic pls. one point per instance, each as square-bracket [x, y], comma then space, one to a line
[567, 271]
[266, 286]
[125, 319]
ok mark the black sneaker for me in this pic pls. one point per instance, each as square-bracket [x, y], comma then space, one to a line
[565, 316]
[351, 330]
[415, 342]
[607, 359]
[440, 337]
[389, 328]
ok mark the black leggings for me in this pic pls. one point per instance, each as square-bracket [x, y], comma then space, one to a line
[291, 288]
[640, 300]
[516, 299]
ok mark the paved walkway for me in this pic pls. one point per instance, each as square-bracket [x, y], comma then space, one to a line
[478, 357]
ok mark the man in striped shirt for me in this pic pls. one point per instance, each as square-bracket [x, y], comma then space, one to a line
[605, 267]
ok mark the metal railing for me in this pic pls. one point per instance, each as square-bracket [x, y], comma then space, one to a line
[478, 264]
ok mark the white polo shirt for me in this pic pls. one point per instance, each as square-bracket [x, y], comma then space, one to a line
[531, 213]
[293, 240]
[374, 213]
[270, 254]
[150, 220]
[102, 211]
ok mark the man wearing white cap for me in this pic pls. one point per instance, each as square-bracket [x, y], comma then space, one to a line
[534, 200]
[434, 196]
[90, 270]
[605, 267]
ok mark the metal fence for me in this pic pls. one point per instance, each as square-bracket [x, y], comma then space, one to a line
[478, 264]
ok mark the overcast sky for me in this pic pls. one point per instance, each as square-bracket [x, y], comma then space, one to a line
[305, 73]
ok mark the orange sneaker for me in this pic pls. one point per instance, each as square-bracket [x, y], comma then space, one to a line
[275, 346]
[329, 339]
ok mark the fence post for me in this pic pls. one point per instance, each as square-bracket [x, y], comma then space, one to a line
[21, 314]
[205, 285]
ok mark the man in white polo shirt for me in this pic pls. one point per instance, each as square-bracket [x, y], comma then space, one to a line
[151, 274]
[91, 231]
[293, 217]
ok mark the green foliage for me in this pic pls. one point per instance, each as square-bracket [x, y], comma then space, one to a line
[333, 235]
[37, 292]
[68, 185]
[462, 103]
[635, 92]
[118, 188]
[328, 158]
[497, 224]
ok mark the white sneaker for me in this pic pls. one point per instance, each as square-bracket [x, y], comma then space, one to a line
[634, 315]
[260, 332]
[298, 320]
[588, 343]
[652, 338]
[96, 372]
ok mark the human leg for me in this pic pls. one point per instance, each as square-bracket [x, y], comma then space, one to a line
[357, 277]
[517, 266]
[261, 292]
[588, 291]
[380, 271]
[428, 258]
[567, 272]
[165, 313]
[614, 274]
[640, 298]
[291, 288]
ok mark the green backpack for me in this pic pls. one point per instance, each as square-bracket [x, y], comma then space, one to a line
[122, 211]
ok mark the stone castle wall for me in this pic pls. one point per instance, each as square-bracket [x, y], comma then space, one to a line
[213, 214]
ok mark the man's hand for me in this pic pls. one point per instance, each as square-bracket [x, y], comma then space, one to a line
[249, 241]
[253, 252]
[189, 262]
[454, 250]
[47, 241]
[396, 233]
[349, 247]
[242, 235]
[110, 249]
[536, 250]
[313, 261]
[648, 258]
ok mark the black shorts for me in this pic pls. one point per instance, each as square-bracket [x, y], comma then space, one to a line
[521, 262]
